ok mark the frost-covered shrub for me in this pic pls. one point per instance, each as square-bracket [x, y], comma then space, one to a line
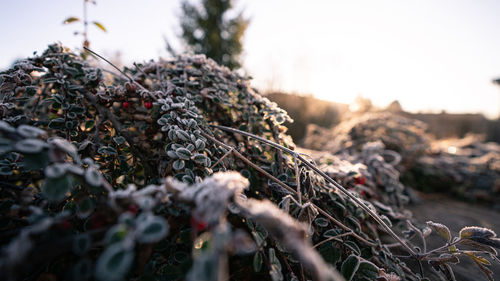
[400, 134]
[129, 177]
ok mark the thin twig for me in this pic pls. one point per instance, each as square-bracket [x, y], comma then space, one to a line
[330, 180]
[222, 158]
[116, 67]
[110, 63]
[297, 178]
[336, 237]
[321, 211]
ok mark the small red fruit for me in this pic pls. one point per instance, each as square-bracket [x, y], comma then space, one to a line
[198, 225]
[125, 104]
[65, 224]
[148, 105]
[133, 209]
[360, 180]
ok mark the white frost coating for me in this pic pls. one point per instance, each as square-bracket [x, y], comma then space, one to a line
[291, 234]
[211, 196]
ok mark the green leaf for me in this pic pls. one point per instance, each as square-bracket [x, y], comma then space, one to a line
[64, 146]
[171, 154]
[107, 150]
[353, 246]
[93, 177]
[81, 243]
[330, 253]
[55, 188]
[349, 267]
[368, 270]
[178, 164]
[257, 262]
[100, 26]
[200, 159]
[114, 263]
[322, 222]
[30, 146]
[55, 170]
[183, 153]
[5, 171]
[89, 124]
[119, 140]
[86, 207]
[275, 270]
[151, 229]
[71, 20]
[82, 270]
[182, 135]
[29, 131]
[332, 232]
[5, 145]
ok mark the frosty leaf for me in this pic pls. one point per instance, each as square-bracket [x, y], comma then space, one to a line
[257, 262]
[30, 146]
[81, 243]
[114, 263]
[183, 153]
[55, 188]
[82, 270]
[368, 270]
[200, 159]
[93, 177]
[151, 229]
[178, 164]
[476, 232]
[55, 170]
[349, 267]
[85, 207]
[107, 150]
[481, 235]
[441, 229]
[29, 131]
[119, 140]
[200, 145]
[63, 145]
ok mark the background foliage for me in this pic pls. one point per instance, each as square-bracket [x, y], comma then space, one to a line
[208, 28]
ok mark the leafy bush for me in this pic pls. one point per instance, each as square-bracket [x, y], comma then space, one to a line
[405, 136]
[146, 177]
[468, 168]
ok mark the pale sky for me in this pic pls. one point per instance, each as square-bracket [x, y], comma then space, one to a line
[428, 54]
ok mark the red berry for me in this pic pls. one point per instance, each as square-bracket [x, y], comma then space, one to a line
[65, 224]
[133, 209]
[148, 105]
[125, 104]
[360, 180]
[98, 221]
[198, 225]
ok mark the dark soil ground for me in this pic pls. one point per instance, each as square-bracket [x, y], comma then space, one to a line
[455, 215]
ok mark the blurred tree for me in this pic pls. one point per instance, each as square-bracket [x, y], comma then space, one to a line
[207, 29]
